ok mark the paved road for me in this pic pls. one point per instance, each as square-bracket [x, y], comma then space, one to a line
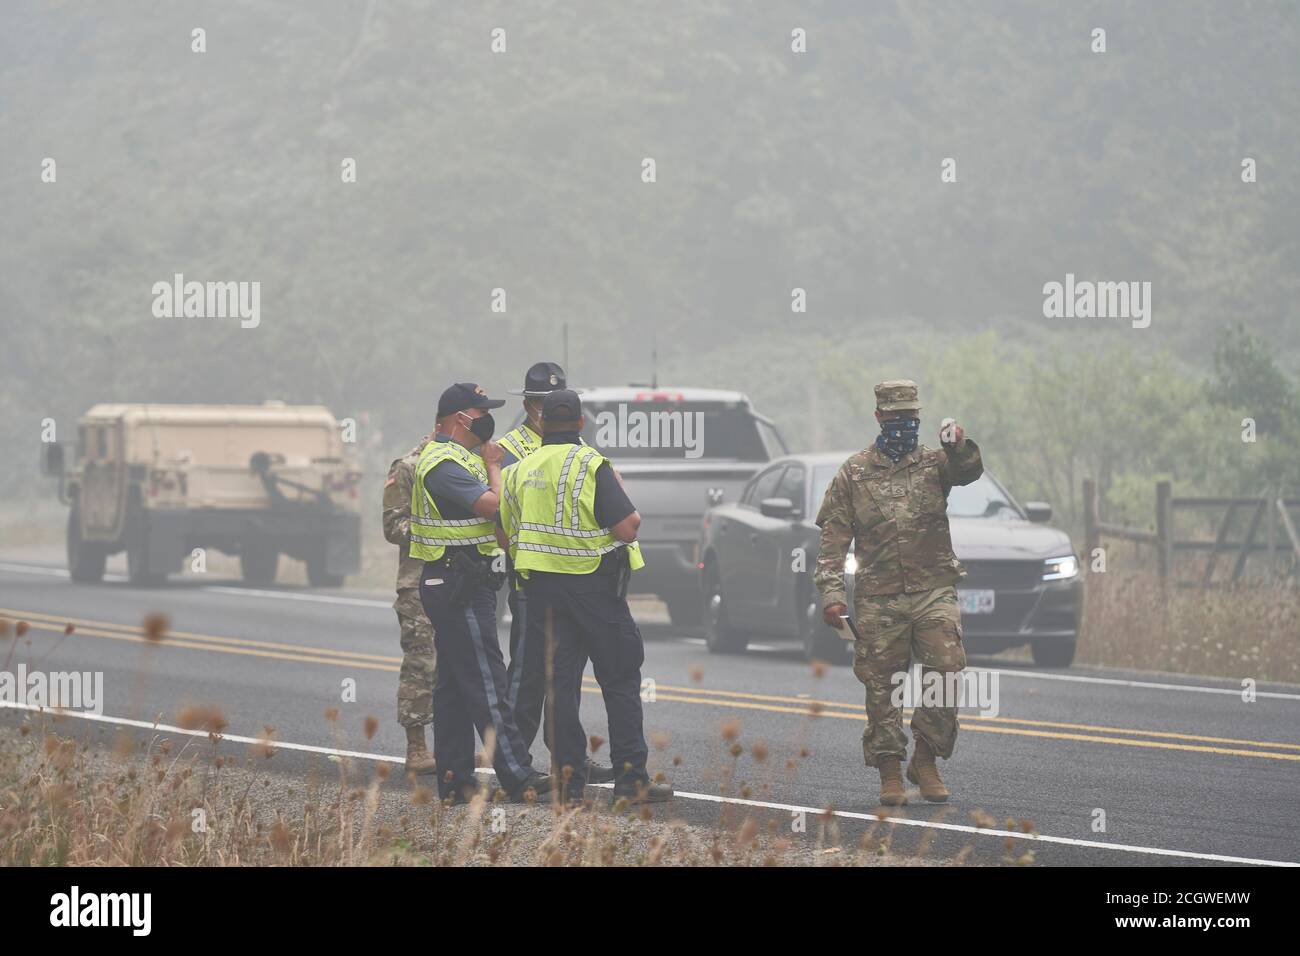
[1184, 770]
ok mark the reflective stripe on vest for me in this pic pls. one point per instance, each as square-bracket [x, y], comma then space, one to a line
[521, 442]
[548, 512]
[432, 534]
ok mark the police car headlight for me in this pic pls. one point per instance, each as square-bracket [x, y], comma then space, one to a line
[1058, 569]
[850, 563]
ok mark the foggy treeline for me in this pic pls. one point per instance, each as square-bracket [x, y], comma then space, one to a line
[775, 170]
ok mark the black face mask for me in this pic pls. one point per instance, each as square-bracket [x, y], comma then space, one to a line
[483, 427]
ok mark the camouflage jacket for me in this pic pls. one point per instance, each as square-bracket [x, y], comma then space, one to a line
[895, 517]
[397, 514]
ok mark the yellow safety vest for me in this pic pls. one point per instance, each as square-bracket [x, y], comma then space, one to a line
[432, 534]
[548, 512]
[521, 442]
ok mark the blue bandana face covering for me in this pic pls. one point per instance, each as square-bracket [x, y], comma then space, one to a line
[898, 436]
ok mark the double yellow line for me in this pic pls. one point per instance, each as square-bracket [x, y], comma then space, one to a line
[726, 699]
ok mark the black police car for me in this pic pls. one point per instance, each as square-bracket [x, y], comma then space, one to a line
[1022, 588]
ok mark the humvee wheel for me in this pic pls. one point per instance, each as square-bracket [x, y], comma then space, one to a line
[85, 558]
[258, 564]
[318, 577]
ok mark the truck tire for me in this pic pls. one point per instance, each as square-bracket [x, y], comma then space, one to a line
[136, 532]
[719, 635]
[258, 563]
[86, 559]
[317, 576]
[1054, 653]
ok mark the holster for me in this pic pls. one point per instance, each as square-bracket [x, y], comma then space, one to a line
[469, 574]
[624, 573]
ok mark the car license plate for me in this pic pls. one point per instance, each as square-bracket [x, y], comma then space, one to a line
[976, 602]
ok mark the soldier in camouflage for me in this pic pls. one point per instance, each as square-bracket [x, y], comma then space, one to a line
[889, 503]
[416, 678]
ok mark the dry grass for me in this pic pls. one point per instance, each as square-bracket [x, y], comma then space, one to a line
[1253, 630]
[128, 802]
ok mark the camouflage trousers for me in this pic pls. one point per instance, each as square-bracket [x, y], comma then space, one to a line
[897, 628]
[419, 661]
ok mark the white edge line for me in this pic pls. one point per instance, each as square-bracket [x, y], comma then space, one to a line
[704, 797]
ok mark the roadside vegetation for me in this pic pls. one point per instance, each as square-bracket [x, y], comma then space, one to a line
[74, 792]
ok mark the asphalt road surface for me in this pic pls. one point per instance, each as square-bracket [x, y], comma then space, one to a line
[1184, 771]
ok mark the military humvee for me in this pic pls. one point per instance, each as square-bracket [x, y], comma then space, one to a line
[257, 481]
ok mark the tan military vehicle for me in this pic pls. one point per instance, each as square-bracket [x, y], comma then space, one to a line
[257, 481]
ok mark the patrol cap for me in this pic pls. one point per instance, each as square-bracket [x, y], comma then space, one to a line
[463, 395]
[562, 405]
[542, 378]
[898, 395]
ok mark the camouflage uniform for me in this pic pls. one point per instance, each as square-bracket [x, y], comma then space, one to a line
[416, 679]
[904, 602]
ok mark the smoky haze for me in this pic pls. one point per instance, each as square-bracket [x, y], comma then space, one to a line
[775, 170]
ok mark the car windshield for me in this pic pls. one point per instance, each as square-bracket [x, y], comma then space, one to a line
[674, 429]
[982, 498]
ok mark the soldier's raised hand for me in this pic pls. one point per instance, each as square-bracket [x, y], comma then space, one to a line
[950, 433]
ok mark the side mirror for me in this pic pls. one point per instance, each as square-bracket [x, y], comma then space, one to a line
[776, 508]
[1038, 511]
[52, 460]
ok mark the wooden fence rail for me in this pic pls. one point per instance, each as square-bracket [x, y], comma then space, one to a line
[1280, 543]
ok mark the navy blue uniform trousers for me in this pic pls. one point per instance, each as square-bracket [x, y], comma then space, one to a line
[588, 620]
[529, 673]
[471, 692]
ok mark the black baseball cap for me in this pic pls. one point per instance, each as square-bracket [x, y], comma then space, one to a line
[561, 405]
[541, 379]
[463, 395]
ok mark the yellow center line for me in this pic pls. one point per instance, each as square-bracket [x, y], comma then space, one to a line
[770, 703]
[857, 710]
[1053, 735]
[223, 648]
[170, 635]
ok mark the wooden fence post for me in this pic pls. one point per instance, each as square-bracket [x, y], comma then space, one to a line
[1164, 528]
[1091, 535]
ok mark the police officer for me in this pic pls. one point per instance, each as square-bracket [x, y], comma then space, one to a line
[453, 508]
[892, 500]
[529, 659]
[571, 529]
[416, 678]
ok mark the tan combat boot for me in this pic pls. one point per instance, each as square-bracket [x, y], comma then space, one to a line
[891, 782]
[418, 758]
[923, 772]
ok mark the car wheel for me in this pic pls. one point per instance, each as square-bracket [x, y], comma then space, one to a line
[317, 576]
[821, 643]
[1056, 653]
[258, 563]
[719, 636]
[85, 558]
